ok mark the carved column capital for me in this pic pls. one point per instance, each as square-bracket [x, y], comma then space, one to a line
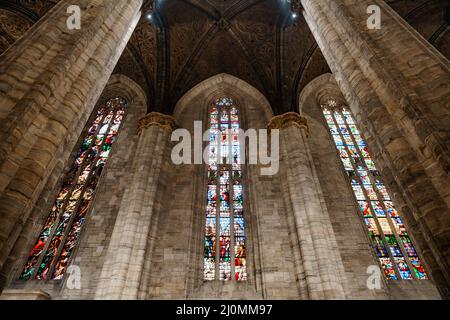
[163, 121]
[288, 120]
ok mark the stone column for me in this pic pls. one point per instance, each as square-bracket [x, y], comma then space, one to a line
[131, 242]
[320, 271]
[50, 81]
[396, 84]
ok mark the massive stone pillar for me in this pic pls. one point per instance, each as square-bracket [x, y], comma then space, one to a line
[127, 264]
[319, 268]
[396, 84]
[50, 81]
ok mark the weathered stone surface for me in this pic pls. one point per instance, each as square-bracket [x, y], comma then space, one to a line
[131, 241]
[51, 79]
[352, 238]
[319, 267]
[24, 295]
[143, 238]
[396, 84]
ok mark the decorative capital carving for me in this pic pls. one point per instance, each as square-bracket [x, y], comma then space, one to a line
[288, 120]
[163, 121]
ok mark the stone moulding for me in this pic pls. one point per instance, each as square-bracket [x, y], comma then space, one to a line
[19, 294]
[163, 121]
[288, 120]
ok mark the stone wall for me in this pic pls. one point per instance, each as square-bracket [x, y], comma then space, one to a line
[396, 84]
[50, 81]
[353, 240]
[94, 239]
[178, 257]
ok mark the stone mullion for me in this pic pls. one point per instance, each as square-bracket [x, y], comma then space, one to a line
[231, 198]
[66, 201]
[84, 91]
[366, 195]
[67, 228]
[399, 155]
[92, 173]
[55, 225]
[369, 201]
[232, 234]
[381, 200]
[397, 236]
[217, 237]
[231, 204]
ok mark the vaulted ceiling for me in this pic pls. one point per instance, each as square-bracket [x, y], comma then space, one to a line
[188, 41]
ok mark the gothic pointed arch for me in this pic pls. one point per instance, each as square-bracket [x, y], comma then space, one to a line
[82, 186]
[369, 218]
[249, 109]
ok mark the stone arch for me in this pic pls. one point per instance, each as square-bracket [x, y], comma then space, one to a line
[100, 221]
[121, 85]
[104, 208]
[337, 194]
[188, 182]
[251, 100]
[353, 240]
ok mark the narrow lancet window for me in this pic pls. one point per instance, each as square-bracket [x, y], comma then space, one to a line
[52, 253]
[390, 239]
[225, 241]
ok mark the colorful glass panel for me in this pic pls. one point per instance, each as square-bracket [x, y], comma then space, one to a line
[53, 251]
[388, 234]
[225, 176]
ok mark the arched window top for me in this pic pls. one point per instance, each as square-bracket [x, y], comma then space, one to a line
[52, 253]
[389, 237]
[224, 102]
[225, 241]
[117, 102]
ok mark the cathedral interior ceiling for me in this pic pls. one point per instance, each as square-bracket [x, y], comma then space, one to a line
[189, 41]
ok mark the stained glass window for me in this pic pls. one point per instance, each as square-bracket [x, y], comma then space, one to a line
[225, 250]
[391, 242]
[53, 250]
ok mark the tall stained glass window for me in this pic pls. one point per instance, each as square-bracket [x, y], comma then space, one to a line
[225, 250]
[53, 250]
[390, 239]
